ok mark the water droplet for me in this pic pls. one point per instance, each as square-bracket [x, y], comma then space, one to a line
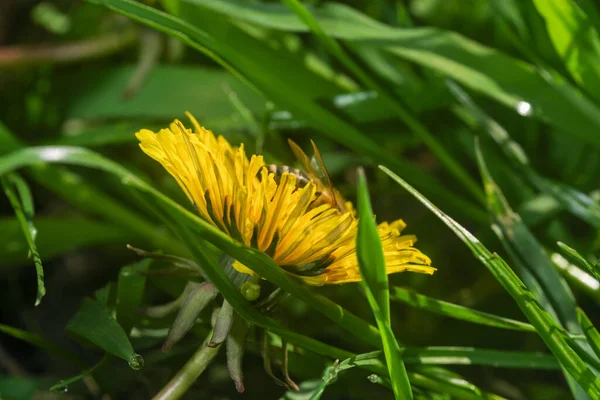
[373, 378]
[524, 108]
[136, 362]
[33, 233]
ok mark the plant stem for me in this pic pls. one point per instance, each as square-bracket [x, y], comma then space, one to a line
[188, 374]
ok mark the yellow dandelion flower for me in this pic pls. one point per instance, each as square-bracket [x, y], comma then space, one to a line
[241, 197]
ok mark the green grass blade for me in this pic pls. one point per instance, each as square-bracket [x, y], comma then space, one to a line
[455, 311]
[20, 199]
[580, 260]
[371, 262]
[94, 323]
[590, 331]
[577, 203]
[547, 328]
[370, 254]
[257, 64]
[546, 95]
[419, 129]
[528, 250]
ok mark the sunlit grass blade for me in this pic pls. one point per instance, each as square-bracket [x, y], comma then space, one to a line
[455, 311]
[20, 199]
[443, 381]
[574, 41]
[580, 260]
[413, 123]
[528, 250]
[94, 323]
[590, 331]
[372, 266]
[550, 332]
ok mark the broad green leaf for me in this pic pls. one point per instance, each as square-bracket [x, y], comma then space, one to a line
[94, 323]
[575, 40]
[20, 199]
[298, 91]
[523, 87]
[373, 271]
[130, 290]
[57, 236]
[547, 328]
[455, 311]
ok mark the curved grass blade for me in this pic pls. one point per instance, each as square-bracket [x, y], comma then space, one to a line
[256, 260]
[20, 199]
[372, 267]
[76, 190]
[550, 332]
[455, 311]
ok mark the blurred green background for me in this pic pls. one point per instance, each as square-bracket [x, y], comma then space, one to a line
[407, 84]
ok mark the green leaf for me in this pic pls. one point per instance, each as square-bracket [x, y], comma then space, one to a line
[20, 199]
[130, 290]
[455, 311]
[94, 323]
[547, 328]
[373, 271]
[590, 331]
